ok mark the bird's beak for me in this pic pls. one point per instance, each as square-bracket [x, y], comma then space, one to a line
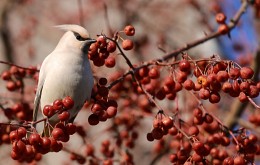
[92, 41]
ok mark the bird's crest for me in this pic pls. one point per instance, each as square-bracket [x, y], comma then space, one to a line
[74, 28]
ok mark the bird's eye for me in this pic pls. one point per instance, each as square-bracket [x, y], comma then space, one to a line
[78, 37]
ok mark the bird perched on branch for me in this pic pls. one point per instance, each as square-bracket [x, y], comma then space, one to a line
[66, 72]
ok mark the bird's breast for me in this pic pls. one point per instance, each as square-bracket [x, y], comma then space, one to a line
[67, 78]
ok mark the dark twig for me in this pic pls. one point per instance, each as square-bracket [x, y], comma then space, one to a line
[11, 64]
[231, 25]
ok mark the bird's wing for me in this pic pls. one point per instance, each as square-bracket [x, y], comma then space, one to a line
[41, 80]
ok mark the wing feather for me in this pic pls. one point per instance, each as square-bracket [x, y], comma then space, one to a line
[41, 80]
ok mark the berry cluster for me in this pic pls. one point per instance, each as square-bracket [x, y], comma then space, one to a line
[100, 51]
[60, 106]
[162, 125]
[20, 111]
[212, 77]
[232, 80]
[103, 108]
[213, 143]
[14, 77]
[30, 147]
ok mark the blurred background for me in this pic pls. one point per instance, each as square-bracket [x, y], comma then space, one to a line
[27, 36]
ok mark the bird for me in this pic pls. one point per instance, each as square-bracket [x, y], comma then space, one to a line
[66, 71]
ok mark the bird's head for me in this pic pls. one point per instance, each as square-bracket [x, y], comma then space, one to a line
[76, 37]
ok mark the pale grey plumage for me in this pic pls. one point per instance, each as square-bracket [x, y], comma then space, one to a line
[66, 72]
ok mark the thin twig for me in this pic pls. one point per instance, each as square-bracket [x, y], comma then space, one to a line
[11, 64]
[231, 26]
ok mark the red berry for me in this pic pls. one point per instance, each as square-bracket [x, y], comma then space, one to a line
[64, 116]
[38, 157]
[208, 118]
[160, 95]
[188, 84]
[30, 151]
[17, 107]
[228, 161]
[48, 110]
[129, 30]
[227, 87]
[157, 133]
[46, 142]
[184, 65]
[222, 76]
[57, 133]
[221, 18]
[173, 158]
[11, 86]
[93, 119]
[110, 62]
[71, 128]
[111, 111]
[6, 75]
[14, 70]
[246, 73]
[68, 102]
[93, 49]
[96, 108]
[101, 42]
[239, 160]
[99, 62]
[103, 54]
[127, 44]
[15, 155]
[13, 135]
[234, 73]
[181, 76]
[167, 122]
[193, 130]
[242, 97]
[111, 46]
[244, 86]
[21, 72]
[204, 93]
[253, 91]
[55, 146]
[35, 139]
[21, 132]
[19, 146]
[197, 112]
[57, 104]
[223, 29]
[102, 81]
[154, 73]
[198, 147]
[214, 97]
